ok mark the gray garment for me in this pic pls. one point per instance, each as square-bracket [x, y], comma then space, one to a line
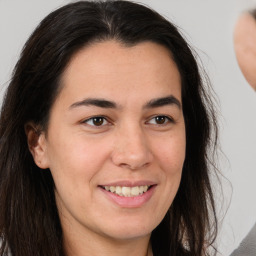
[248, 245]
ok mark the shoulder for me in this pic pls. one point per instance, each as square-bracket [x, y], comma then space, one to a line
[248, 245]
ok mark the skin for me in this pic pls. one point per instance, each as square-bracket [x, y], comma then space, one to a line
[245, 47]
[129, 145]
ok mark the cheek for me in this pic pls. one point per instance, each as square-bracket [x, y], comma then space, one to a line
[75, 165]
[171, 153]
[76, 161]
[171, 156]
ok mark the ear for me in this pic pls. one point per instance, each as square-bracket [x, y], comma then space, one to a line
[37, 144]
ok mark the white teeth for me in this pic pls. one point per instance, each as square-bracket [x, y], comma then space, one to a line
[135, 191]
[127, 191]
[118, 190]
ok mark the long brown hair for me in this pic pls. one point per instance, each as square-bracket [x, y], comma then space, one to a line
[29, 221]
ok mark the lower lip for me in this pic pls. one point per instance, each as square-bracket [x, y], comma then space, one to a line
[130, 202]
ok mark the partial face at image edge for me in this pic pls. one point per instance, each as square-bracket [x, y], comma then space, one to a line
[245, 47]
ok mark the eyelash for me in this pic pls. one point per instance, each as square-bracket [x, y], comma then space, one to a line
[103, 119]
[167, 120]
[94, 118]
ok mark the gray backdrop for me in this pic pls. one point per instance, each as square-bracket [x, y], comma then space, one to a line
[208, 26]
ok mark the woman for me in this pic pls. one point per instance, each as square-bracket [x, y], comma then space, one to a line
[105, 130]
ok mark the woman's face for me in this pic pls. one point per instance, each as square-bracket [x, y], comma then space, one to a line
[115, 143]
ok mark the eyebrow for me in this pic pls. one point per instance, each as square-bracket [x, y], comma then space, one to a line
[160, 102]
[103, 103]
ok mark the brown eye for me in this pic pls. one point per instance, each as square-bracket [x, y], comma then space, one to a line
[160, 120]
[96, 121]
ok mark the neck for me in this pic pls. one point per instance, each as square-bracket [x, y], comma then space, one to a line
[95, 245]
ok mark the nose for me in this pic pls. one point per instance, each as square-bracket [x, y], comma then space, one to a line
[132, 149]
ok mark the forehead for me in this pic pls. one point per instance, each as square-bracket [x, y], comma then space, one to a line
[110, 67]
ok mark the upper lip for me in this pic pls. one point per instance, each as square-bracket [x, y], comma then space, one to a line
[127, 183]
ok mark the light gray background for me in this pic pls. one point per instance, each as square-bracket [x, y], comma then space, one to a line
[208, 26]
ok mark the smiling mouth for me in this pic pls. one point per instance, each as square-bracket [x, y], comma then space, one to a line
[127, 191]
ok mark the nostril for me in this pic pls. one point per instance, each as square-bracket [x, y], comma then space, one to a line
[134, 166]
[132, 153]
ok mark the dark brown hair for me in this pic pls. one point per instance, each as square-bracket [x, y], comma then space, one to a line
[29, 221]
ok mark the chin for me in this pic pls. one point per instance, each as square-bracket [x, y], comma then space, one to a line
[129, 235]
[131, 229]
